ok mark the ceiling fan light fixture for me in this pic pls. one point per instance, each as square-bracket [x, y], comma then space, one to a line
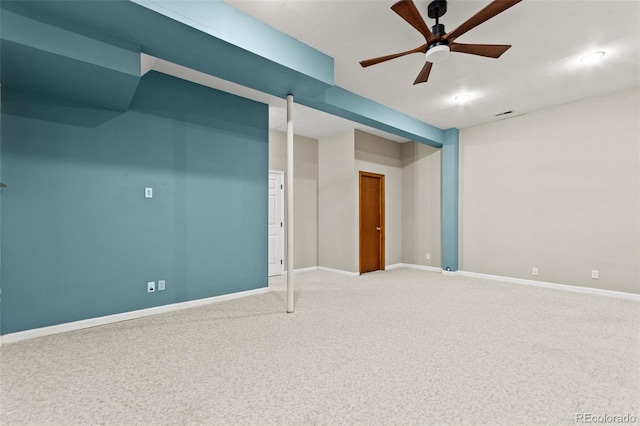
[440, 43]
[592, 57]
[438, 53]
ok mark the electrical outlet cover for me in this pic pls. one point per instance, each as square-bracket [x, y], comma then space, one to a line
[151, 286]
[161, 285]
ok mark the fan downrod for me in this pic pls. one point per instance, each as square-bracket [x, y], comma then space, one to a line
[436, 10]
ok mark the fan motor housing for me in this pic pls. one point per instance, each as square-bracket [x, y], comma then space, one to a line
[438, 43]
[438, 30]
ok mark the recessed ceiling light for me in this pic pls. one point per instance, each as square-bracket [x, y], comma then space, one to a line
[592, 57]
[463, 97]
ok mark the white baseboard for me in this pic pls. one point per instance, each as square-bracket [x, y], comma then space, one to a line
[309, 269]
[574, 288]
[338, 271]
[451, 273]
[295, 271]
[412, 266]
[394, 266]
[387, 267]
[109, 319]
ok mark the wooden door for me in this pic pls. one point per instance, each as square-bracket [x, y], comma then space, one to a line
[371, 222]
[276, 224]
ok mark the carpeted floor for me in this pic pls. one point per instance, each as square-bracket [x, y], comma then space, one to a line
[396, 347]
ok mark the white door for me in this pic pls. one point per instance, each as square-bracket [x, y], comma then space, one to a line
[276, 223]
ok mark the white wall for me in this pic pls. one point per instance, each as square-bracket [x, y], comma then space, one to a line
[421, 205]
[305, 193]
[337, 203]
[412, 199]
[383, 156]
[557, 189]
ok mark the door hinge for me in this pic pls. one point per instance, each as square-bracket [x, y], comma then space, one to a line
[281, 187]
[281, 224]
[281, 261]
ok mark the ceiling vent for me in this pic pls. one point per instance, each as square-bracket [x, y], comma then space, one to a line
[501, 114]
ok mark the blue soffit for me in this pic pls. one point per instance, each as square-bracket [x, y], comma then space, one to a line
[227, 23]
[179, 42]
[217, 39]
[57, 57]
[348, 105]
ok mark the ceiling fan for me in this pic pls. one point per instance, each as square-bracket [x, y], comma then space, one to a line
[438, 42]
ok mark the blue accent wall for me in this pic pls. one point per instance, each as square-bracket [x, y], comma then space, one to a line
[79, 240]
[0, 217]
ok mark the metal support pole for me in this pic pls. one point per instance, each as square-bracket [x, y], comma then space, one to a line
[290, 280]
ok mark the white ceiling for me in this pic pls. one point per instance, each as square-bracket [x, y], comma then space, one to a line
[542, 68]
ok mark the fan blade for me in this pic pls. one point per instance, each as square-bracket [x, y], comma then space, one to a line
[409, 12]
[488, 50]
[491, 10]
[424, 74]
[369, 62]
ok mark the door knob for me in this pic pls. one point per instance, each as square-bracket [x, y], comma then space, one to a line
[378, 228]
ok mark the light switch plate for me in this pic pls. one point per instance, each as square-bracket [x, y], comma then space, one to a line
[148, 193]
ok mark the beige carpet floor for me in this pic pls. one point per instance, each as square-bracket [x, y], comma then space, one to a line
[397, 347]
